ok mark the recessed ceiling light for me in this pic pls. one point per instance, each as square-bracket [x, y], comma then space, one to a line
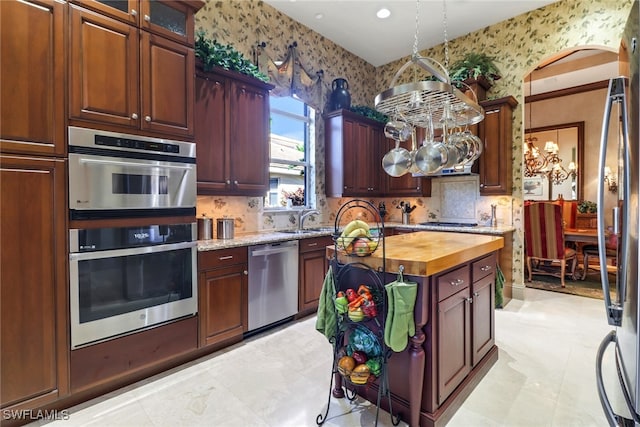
[383, 13]
[319, 16]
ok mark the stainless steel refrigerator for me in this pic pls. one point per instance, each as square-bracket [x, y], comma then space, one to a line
[621, 128]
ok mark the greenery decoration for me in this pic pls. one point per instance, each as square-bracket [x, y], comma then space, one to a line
[214, 54]
[369, 112]
[473, 66]
[587, 206]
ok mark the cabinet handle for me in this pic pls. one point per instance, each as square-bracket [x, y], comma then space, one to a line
[245, 272]
[134, 116]
[147, 18]
[469, 300]
[134, 12]
[485, 268]
[312, 244]
[147, 118]
[222, 258]
[456, 282]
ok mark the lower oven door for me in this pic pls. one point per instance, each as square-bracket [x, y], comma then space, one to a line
[121, 291]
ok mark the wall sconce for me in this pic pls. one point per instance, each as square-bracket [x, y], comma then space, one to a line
[610, 179]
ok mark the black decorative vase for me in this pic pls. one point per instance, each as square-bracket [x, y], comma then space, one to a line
[340, 97]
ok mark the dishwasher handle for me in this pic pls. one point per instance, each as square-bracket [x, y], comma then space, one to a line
[270, 250]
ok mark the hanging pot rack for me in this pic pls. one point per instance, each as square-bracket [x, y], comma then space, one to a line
[428, 101]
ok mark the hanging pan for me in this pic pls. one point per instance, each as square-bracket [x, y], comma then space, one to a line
[397, 161]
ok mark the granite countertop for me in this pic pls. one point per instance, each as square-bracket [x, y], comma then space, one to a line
[263, 237]
[425, 253]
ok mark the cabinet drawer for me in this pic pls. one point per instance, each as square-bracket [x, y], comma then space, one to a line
[314, 244]
[483, 267]
[221, 258]
[452, 282]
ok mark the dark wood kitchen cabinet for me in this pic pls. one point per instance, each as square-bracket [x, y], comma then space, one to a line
[483, 276]
[223, 296]
[33, 281]
[312, 268]
[125, 78]
[353, 155]
[32, 71]
[232, 133]
[495, 164]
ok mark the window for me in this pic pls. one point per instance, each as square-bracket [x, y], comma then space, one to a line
[291, 153]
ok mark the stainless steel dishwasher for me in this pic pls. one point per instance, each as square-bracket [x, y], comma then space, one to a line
[273, 283]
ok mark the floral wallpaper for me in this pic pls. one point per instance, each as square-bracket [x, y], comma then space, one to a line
[518, 44]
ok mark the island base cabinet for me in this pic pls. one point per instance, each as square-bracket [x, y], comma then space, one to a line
[454, 342]
[483, 319]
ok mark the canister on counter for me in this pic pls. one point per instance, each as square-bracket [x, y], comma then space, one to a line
[225, 228]
[205, 228]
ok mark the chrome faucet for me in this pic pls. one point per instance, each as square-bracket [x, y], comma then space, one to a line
[302, 215]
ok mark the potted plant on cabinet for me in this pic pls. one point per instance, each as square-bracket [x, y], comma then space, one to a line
[476, 70]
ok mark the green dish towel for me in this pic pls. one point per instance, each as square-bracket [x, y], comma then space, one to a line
[400, 324]
[327, 320]
[499, 287]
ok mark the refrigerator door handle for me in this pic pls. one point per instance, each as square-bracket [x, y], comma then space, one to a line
[617, 94]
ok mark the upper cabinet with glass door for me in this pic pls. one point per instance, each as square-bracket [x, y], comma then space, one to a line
[171, 19]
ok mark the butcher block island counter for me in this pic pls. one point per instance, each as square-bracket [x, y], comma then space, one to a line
[454, 345]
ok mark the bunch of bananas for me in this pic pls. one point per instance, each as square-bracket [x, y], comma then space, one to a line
[356, 239]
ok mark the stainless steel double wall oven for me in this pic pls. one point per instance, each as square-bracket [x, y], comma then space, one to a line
[133, 254]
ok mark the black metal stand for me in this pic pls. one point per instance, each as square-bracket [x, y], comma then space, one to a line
[350, 275]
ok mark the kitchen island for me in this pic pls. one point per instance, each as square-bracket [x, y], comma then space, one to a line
[454, 345]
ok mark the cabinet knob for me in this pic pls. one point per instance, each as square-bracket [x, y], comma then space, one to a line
[481, 185]
[235, 182]
[134, 12]
[476, 294]
[228, 181]
[456, 282]
[147, 18]
[134, 116]
[147, 118]
[469, 300]
[245, 272]
[485, 268]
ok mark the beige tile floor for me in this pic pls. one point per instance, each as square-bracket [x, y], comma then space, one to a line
[545, 376]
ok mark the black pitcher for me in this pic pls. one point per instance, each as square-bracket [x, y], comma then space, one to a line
[340, 97]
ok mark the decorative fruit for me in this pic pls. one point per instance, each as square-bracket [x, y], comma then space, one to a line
[341, 304]
[359, 357]
[369, 308]
[361, 247]
[346, 365]
[374, 366]
[356, 315]
[360, 374]
[351, 295]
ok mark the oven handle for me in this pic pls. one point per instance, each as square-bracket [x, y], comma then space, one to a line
[83, 256]
[144, 165]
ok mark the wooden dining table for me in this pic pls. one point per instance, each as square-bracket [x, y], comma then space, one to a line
[581, 235]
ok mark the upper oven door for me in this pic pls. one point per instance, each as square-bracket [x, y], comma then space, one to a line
[105, 182]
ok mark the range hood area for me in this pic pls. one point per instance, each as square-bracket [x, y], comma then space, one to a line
[453, 171]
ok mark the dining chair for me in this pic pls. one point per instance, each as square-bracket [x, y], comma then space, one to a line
[544, 241]
[591, 251]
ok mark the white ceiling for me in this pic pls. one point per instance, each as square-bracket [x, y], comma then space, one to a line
[353, 24]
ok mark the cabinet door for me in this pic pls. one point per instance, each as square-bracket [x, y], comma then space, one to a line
[483, 320]
[170, 19]
[311, 271]
[249, 140]
[360, 151]
[210, 134]
[32, 71]
[407, 184]
[33, 290]
[167, 81]
[454, 342]
[495, 163]
[223, 310]
[103, 70]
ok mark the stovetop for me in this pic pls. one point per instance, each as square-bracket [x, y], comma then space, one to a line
[450, 224]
